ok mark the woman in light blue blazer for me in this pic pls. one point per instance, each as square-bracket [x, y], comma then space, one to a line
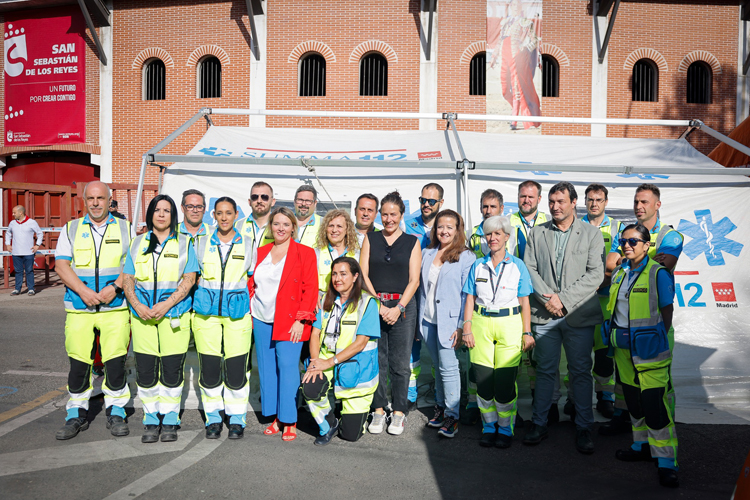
[445, 267]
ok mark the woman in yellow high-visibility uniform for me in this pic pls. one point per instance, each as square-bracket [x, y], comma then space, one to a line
[159, 272]
[641, 306]
[337, 236]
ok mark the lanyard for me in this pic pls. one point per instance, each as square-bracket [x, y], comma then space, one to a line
[528, 225]
[499, 279]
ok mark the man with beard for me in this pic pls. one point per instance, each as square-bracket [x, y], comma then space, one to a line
[490, 203]
[528, 215]
[308, 222]
[254, 226]
[193, 208]
[420, 226]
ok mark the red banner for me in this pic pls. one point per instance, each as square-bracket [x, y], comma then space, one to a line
[45, 77]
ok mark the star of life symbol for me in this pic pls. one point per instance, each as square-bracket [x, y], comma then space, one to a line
[86, 235]
[15, 50]
[709, 238]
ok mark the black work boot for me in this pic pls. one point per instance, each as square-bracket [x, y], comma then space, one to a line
[168, 433]
[150, 434]
[117, 426]
[71, 428]
[604, 406]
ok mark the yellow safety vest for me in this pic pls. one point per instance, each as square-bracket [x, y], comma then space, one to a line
[648, 341]
[522, 235]
[156, 285]
[478, 243]
[325, 260]
[203, 231]
[97, 270]
[358, 376]
[310, 231]
[222, 287]
[246, 227]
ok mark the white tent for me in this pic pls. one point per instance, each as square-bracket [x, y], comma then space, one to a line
[700, 198]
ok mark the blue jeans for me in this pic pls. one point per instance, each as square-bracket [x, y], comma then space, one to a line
[577, 342]
[24, 264]
[448, 377]
[278, 369]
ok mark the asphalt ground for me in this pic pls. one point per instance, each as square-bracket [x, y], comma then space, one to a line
[417, 464]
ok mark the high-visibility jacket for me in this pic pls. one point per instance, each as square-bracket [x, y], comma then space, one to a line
[325, 260]
[357, 376]
[97, 269]
[222, 287]
[658, 237]
[478, 242]
[203, 231]
[247, 228]
[154, 285]
[310, 231]
[522, 235]
[610, 229]
[648, 341]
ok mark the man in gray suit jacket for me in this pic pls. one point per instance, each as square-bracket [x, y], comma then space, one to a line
[565, 258]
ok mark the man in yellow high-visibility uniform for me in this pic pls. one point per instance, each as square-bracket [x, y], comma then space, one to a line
[89, 258]
[308, 222]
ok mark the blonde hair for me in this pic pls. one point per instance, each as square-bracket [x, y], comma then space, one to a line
[350, 239]
[286, 213]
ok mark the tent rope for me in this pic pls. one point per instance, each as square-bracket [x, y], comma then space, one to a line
[310, 168]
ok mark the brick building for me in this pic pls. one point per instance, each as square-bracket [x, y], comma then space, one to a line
[261, 47]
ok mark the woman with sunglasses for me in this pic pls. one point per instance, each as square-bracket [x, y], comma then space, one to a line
[160, 270]
[343, 351]
[390, 262]
[640, 304]
[285, 286]
[445, 268]
[222, 324]
[498, 331]
[337, 237]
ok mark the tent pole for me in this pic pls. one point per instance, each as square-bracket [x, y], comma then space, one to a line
[726, 140]
[139, 195]
[464, 171]
[174, 135]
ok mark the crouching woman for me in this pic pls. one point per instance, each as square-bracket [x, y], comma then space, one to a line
[344, 352]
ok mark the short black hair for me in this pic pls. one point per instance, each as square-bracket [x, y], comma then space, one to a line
[642, 230]
[491, 193]
[189, 192]
[530, 183]
[367, 196]
[261, 183]
[306, 187]
[153, 242]
[597, 187]
[564, 186]
[226, 199]
[434, 185]
[649, 187]
[395, 198]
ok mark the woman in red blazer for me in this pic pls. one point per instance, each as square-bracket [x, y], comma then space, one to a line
[284, 289]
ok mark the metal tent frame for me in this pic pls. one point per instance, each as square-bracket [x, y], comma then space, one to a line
[463, 166]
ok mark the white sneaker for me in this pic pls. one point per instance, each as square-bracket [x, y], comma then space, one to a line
[398, 422]
[377, 424]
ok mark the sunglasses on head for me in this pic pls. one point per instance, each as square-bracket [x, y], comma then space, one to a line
[264, 197]
[631, 241]
[431, 201]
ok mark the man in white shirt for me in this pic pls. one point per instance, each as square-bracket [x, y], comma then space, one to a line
[365, 211]
[19, 238]
[254, 226]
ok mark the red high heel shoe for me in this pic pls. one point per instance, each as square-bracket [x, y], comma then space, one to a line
[272, 429]
[288, 434]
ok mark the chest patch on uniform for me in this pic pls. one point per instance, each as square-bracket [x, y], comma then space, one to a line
[607, 239]
[481, 280]
[640, 290]
[112, 241]
[170, 256]
[238, 257]
[349, 323]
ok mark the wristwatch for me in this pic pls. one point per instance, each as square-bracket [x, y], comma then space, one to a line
[529, 334]
[335, 361]
[400, 307]
[118, 290]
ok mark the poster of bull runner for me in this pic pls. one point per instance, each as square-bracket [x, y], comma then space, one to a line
[514, 73]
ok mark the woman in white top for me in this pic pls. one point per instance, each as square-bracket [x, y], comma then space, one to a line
[498, 331]
[445, 267]
[284, 288]
[337, 237]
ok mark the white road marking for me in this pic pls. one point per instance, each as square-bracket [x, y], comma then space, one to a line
[36, 374]
[25, 419]
[166, 471]
[87, 453]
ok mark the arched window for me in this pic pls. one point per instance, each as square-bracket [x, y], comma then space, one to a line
[209, 77]
[373, 75]
[550, 76]
[645, 81]
[699, 79]
[312, 75]
[478, 74]
[154, 80]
